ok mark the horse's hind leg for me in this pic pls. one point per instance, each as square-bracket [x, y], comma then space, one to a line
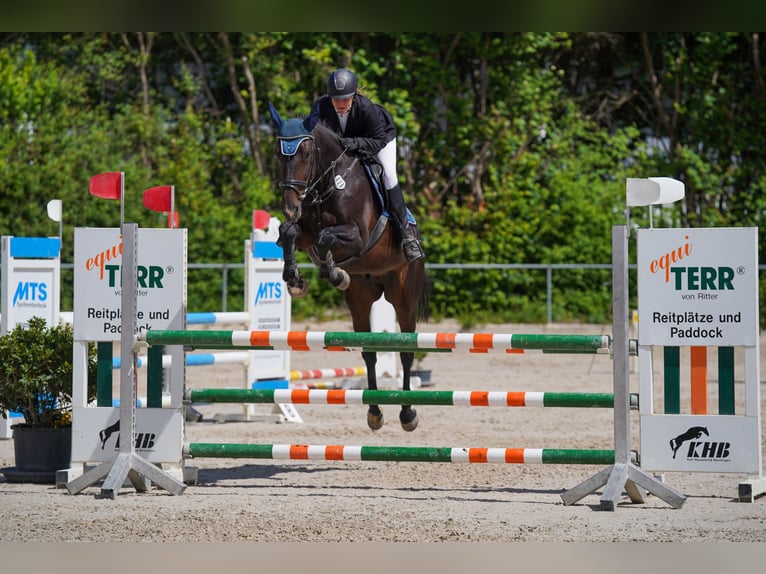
[404, 293]
[360, 296]
[407, 416]
[374, 414]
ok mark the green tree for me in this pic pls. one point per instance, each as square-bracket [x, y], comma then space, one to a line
[514, 147]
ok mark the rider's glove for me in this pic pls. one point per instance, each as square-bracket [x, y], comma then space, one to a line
[350, 144]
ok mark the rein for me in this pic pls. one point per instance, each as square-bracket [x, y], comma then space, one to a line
[319, 198]
[316, 198]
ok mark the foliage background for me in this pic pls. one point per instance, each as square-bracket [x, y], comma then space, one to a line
[514, 146]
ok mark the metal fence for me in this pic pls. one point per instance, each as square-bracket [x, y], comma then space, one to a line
[549, 268]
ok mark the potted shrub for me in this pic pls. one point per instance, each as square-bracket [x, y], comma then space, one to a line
[36, 381]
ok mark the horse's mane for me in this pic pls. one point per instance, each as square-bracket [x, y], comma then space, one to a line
[326, 136]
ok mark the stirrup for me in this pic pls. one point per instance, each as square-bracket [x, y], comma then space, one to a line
[412, 250]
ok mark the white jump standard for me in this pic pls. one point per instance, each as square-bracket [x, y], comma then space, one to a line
[127, 463]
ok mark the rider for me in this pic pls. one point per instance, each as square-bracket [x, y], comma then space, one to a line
[368, 129]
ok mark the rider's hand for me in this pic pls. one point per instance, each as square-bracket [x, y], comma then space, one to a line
[350, 144]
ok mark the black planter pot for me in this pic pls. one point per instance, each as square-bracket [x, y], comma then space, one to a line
[39, 453]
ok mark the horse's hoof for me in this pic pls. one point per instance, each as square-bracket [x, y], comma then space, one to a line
[339, 279]
[298, 291]
[409, 420]
[345, 281]
[374, 421]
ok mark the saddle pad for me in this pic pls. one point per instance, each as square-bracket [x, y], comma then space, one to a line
[379, 195]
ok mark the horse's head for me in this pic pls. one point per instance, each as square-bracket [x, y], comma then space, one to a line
[296, 156]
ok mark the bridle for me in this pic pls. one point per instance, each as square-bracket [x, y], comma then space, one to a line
[288, 148]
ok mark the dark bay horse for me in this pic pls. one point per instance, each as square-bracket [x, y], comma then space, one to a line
[332, 213]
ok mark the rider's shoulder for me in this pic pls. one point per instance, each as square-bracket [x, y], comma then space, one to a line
[363, 101]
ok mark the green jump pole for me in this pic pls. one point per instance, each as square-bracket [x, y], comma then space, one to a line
[399, 453]
[396, 397]
[430, 342]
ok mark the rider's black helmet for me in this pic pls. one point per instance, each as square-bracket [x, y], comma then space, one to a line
[341, 83]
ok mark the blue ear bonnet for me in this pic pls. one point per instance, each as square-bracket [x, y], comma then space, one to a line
[291, 134]
[289, 147]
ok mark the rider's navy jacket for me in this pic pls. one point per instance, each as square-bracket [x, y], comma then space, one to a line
[371, 126]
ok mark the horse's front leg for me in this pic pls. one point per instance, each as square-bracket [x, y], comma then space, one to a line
[289, 233]
[336, 276]
[343, 238]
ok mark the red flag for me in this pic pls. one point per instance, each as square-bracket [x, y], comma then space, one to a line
[261, 219]
[173, 220]
[107, 185]
[158, 198]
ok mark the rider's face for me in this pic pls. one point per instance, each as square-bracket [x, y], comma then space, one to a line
[342, 105]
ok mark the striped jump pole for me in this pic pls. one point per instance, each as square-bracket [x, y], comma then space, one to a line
[398, 453]
[398, 397]
[307, 374]
[218, 318]
[194, 360]
[314, 384]
[377, 341]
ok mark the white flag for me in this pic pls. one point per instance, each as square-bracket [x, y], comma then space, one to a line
[54, 209]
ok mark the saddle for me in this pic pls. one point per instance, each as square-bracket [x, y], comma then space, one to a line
[374, 171]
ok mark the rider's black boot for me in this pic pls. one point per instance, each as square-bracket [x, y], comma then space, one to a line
[411, 246]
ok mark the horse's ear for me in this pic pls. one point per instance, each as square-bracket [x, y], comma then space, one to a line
[310, 122]
[275, 117]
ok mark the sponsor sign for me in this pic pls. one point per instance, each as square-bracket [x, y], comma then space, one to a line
[31, 293]
[269, 305]
[161, 293]
[96, 434]
[698, 443]
[30, 280]
[698, 287]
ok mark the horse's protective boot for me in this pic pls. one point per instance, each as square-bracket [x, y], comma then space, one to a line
[411, 246]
